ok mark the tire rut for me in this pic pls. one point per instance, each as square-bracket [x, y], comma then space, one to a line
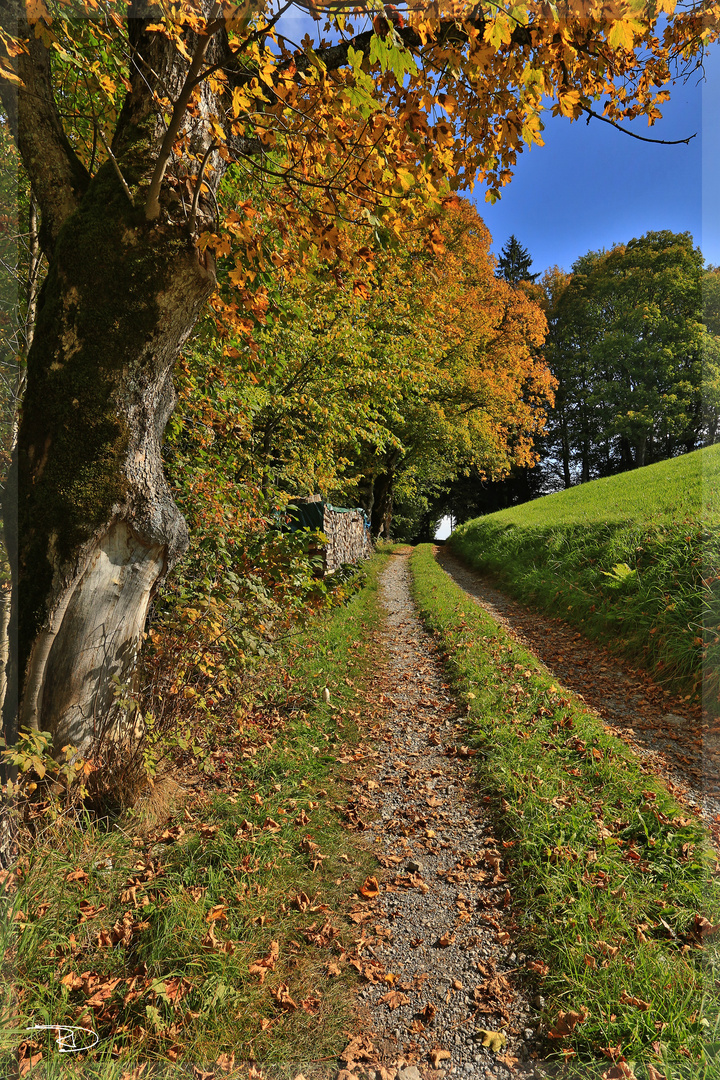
[665, 732]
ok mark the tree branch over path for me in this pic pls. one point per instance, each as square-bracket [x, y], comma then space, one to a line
[633, 135]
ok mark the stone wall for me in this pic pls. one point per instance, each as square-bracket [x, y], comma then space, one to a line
[348, 535]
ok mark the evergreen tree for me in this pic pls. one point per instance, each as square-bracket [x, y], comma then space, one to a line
[515, 262]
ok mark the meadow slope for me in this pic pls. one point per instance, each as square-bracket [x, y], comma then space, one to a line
[633, 560]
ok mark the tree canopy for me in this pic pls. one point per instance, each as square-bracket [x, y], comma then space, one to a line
[626, 343]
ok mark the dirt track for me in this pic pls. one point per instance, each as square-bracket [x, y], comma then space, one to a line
[664, 731]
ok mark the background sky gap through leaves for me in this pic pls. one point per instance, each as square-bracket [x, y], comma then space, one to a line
[590, 186]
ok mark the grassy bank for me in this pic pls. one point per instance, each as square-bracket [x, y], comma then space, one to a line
[634, 560]
[207, 922]
[612, 880]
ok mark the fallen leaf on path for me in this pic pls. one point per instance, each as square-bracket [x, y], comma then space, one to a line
[628, 999]
[215, 944]
[72, 981]
[320, 937]
[370, 888]
[394, 999]
[360, 1048]
[621, 1071]
[77, 875]
[89, 911]
[436, 1056]
[217, 912]
[267, 963]
[136, 1073]
[607, 950]
[428, 1014]
[281, 994]
[445, 940]
[566, 1023]
[103, 992]
[493, 1040]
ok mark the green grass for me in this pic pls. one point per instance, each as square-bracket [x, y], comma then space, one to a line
[266, 826]
[609, 876]
[634, 560]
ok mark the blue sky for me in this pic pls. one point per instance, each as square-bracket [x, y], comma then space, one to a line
[591, 186]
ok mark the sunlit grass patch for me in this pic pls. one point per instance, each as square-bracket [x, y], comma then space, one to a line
[634, 560]
[210, 921]
[614, 883]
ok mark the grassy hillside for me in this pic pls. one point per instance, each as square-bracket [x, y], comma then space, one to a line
[634, 560]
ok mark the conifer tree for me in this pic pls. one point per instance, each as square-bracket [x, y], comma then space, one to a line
[515, 262]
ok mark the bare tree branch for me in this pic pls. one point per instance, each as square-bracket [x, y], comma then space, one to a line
[643, 138]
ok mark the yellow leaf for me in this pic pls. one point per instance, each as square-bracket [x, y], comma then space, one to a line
[621, 36]
[36, 10]
[493, 1040]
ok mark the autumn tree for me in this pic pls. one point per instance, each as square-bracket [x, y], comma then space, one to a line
[370, 389]
[485, 403]
[126, 118]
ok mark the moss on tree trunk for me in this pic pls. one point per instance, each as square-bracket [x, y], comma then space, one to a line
[87, 499]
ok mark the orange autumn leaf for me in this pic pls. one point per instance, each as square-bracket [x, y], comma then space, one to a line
[638, 1003]
[282, 996]
[216, 913]
[436, 1056]
[267, 963]
[370, 888]
[566, 1022]
[394, 999]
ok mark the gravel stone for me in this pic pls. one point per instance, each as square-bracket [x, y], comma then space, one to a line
[431, 832]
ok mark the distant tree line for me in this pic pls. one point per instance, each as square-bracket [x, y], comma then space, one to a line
[634, 344]
[635, 356]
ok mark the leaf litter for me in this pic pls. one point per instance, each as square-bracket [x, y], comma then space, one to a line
[436, 950]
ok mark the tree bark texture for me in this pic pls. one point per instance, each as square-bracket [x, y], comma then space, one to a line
[96, 524]
[91, 526]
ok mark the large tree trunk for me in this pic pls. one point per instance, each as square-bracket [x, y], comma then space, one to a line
[95, 523]
[91, 527]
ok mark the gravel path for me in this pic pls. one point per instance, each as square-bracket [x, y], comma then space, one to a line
[664, 731]
[437, 940]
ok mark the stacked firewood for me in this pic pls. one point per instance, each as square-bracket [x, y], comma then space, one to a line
[348, 538]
